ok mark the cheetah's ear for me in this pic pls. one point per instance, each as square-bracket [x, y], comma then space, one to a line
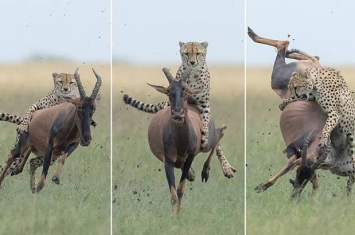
[54, 75]
[181, 44]
[204, 44]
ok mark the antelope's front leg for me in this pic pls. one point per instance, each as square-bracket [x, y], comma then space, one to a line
[46, 164]
[185, 171]
[169, 171]
[315, 184]
[61, 162]
[68, 150]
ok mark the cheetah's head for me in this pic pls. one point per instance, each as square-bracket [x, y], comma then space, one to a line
[301, 85]
[65, 85]
[193, 54]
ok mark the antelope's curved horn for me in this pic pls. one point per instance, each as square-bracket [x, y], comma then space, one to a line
[322, 158]
[96, 89]
[168, 75]
[78, 82]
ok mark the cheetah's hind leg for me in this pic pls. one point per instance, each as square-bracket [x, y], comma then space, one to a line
[34, 164]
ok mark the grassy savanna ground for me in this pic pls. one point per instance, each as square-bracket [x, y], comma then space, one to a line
[141, 195]
[81, 203]
[272, 212]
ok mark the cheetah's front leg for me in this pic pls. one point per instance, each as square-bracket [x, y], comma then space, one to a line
[285, 102]
[23, 127]
[205, 117]
[331, 122]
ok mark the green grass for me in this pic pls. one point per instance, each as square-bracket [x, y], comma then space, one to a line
[141, 195]
[272, 212]
[81, 203]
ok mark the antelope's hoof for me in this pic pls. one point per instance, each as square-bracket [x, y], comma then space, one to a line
[262, 187]
[296, 194]
[191, 175]
[56, 179]
[39, 187]
[223, 127]
[228, 170]
[205, 174]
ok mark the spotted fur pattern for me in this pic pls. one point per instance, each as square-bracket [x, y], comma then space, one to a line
[64, 87]
[328, 87]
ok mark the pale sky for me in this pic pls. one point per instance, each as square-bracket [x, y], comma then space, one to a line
[78, 30]
[148, 32]
[318, 27]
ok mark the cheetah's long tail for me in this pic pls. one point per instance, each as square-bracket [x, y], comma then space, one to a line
[148, 108]
[7, 117]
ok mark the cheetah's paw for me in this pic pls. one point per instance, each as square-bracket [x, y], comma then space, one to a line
[22, 129]
[228, 170]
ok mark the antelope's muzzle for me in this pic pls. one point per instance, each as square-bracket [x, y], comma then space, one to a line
[178, 117]
[85, 140]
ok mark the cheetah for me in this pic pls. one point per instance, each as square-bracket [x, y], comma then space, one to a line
[193, 55]
[64, 87]
[328, 87]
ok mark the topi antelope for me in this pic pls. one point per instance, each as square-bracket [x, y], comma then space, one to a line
[57, 131]
[299, 119]
[174, 135]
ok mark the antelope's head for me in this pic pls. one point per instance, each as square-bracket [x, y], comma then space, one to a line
[178, 93]
[86, 107]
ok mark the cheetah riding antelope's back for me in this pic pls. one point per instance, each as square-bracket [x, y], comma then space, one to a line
[300, 118]
[193, 56]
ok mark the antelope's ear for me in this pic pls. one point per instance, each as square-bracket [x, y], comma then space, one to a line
[204, 44]
[160, 89]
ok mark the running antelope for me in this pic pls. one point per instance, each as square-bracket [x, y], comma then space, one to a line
[174, 135]
[56, 131]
